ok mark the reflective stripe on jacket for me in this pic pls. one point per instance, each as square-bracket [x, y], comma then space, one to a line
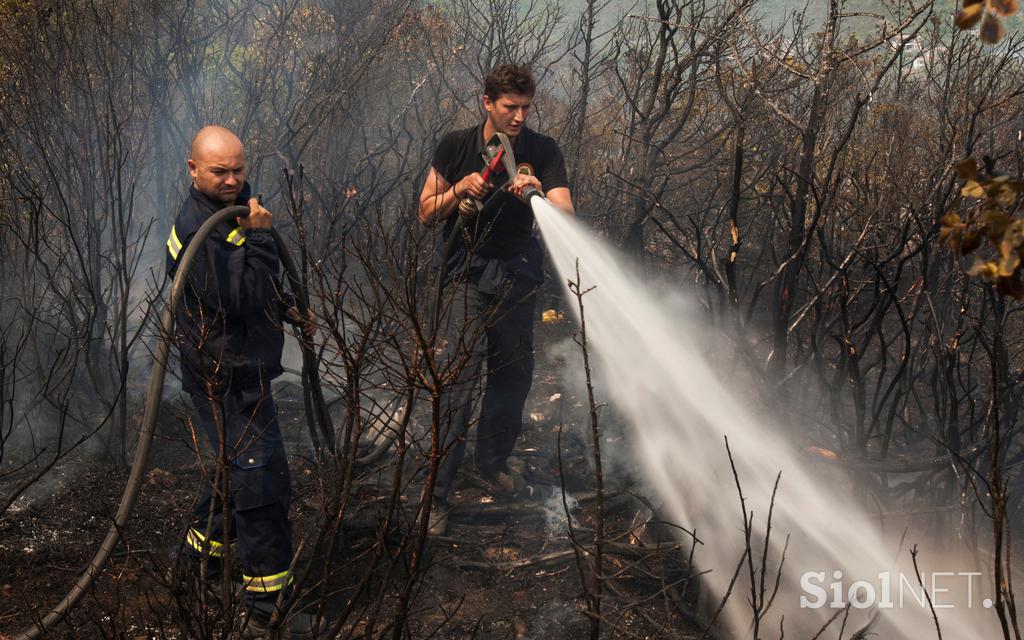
[229, 326]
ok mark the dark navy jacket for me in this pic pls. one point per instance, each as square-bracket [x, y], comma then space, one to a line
[229, 325]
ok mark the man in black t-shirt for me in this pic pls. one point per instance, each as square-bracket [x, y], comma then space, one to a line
[495, 269]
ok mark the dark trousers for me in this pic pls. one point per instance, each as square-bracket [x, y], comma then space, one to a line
[241, 426]
[496, 328]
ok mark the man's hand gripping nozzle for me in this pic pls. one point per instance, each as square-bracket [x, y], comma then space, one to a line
[509, 160]
[498, 157]
[529, 191]
[470, 206]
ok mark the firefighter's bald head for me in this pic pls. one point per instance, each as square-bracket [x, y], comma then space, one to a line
[216, 162]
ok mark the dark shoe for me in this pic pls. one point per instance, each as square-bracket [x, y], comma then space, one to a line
[298, 625]
[437, 523]
[506, 482]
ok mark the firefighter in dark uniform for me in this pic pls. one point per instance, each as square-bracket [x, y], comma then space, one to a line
[230, 339]
[494, 271]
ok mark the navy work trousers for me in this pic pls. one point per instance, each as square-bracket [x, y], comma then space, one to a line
[497, 328]
[242, 428]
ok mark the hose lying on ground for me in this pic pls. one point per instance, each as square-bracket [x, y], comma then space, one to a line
[320, 424]
[152, 408]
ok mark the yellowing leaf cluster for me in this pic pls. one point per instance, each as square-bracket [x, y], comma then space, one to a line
[990, 218]
[989, 13]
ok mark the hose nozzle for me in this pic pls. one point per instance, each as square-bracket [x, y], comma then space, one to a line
[529, 192]
[469, 207]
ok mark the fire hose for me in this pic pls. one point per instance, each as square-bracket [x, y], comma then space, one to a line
[320, 422]
[312, 387]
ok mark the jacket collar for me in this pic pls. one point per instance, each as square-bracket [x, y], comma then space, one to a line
[209, 205]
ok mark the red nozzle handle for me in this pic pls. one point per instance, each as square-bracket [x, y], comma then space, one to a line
[486, 175]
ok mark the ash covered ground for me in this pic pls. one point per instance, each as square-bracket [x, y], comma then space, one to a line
[505, 568]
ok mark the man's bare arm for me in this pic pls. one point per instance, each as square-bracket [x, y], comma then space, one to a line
[561, 198]
[438, 198]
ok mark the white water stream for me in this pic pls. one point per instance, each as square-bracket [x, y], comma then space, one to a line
[679, 411]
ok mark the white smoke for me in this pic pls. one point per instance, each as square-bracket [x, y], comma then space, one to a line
[555, 521]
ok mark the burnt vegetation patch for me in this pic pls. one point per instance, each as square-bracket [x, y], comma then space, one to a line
[802, 176]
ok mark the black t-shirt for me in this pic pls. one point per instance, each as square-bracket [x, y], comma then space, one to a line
[504, 229]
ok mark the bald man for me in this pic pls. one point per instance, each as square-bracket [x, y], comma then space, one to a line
[230, 339]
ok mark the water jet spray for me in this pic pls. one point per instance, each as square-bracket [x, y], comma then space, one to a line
[660, 381]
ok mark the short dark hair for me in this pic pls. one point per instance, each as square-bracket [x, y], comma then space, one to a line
[509, 78]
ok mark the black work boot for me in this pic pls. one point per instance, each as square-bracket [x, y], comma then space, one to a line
[297, 625]
[504, 483]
